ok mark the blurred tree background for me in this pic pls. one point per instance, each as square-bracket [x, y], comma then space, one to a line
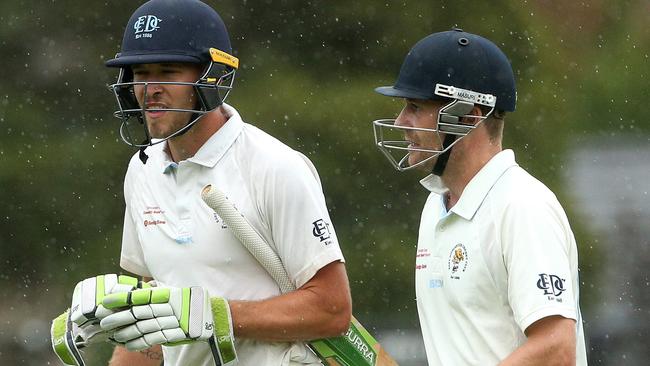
[308, 69]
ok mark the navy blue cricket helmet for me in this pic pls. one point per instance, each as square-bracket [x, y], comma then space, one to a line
[172, 31]
[457, 59]
[457, 67]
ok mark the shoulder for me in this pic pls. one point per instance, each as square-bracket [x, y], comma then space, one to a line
[271, 156]
[517, 185]
[520, 195]
[260, 141]
[135, 163]
[134, 167]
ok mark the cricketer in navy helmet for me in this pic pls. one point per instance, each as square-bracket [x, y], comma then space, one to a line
[497, 263]
[175, 71]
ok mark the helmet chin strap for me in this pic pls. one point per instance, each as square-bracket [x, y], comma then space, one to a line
[441, 163]
[142, 155]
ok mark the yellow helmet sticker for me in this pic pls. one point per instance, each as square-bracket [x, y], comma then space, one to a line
[224, 58]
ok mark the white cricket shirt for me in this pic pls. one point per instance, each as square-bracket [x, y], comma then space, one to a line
[502, 258]
[170, 234]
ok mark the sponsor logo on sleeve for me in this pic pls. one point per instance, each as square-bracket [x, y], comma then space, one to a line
[321, 230]
[552, 285]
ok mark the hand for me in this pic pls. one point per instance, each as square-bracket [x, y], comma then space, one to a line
[171, 316]
[79, 327]
[88, 295]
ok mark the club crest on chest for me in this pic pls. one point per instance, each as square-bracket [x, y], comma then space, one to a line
[458, 260]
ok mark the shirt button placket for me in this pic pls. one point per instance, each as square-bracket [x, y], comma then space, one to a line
[183, 202]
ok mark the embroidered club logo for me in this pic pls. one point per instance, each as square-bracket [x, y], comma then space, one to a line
[321, 230]
[145, 26]
[457, 261]
[552, 285]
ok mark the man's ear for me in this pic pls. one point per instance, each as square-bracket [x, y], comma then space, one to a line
[476, 111]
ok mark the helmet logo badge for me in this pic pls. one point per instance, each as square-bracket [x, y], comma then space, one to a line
[145, 25]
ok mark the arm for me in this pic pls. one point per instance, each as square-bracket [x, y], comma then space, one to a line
[148, 357]
[321, 308]
[541, 259]
[551, 341]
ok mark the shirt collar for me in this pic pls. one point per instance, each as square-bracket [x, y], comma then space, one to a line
[216, 146]
[434, 184]
[477, 189]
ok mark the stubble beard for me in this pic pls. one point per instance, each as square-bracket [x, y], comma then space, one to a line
[161, 128]
[416, 157]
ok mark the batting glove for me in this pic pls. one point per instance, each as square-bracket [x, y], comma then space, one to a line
[79, 327]
[171, 316]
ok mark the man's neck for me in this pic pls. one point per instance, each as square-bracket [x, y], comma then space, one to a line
[462, 170]
[186, 145]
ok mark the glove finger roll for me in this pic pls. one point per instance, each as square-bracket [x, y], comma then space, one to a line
[174, 335]
[168, 322]
[117, 320]
[126, 334]
[120, 287]
[162, 309]
[102, 312]
[148, 326]
[143, 312]
[155, 338]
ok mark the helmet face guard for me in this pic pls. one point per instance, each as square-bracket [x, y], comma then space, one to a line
[211, 90]
[389, 138]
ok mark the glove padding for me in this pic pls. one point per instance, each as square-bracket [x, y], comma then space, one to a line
[79, 327]
[63, 334]
[88, 294]
[171, 316]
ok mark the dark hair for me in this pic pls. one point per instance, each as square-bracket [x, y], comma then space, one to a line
[494, 123]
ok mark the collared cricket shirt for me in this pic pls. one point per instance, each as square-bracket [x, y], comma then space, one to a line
[170, 234]
[502, 258]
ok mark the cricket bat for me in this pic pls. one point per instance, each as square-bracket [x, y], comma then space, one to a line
[356, 348]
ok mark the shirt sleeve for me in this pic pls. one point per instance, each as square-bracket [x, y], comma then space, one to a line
[131, 257]
[537, 243]
[300, 225]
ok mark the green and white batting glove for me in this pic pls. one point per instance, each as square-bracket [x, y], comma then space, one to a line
[171, 316]
[79, 326]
